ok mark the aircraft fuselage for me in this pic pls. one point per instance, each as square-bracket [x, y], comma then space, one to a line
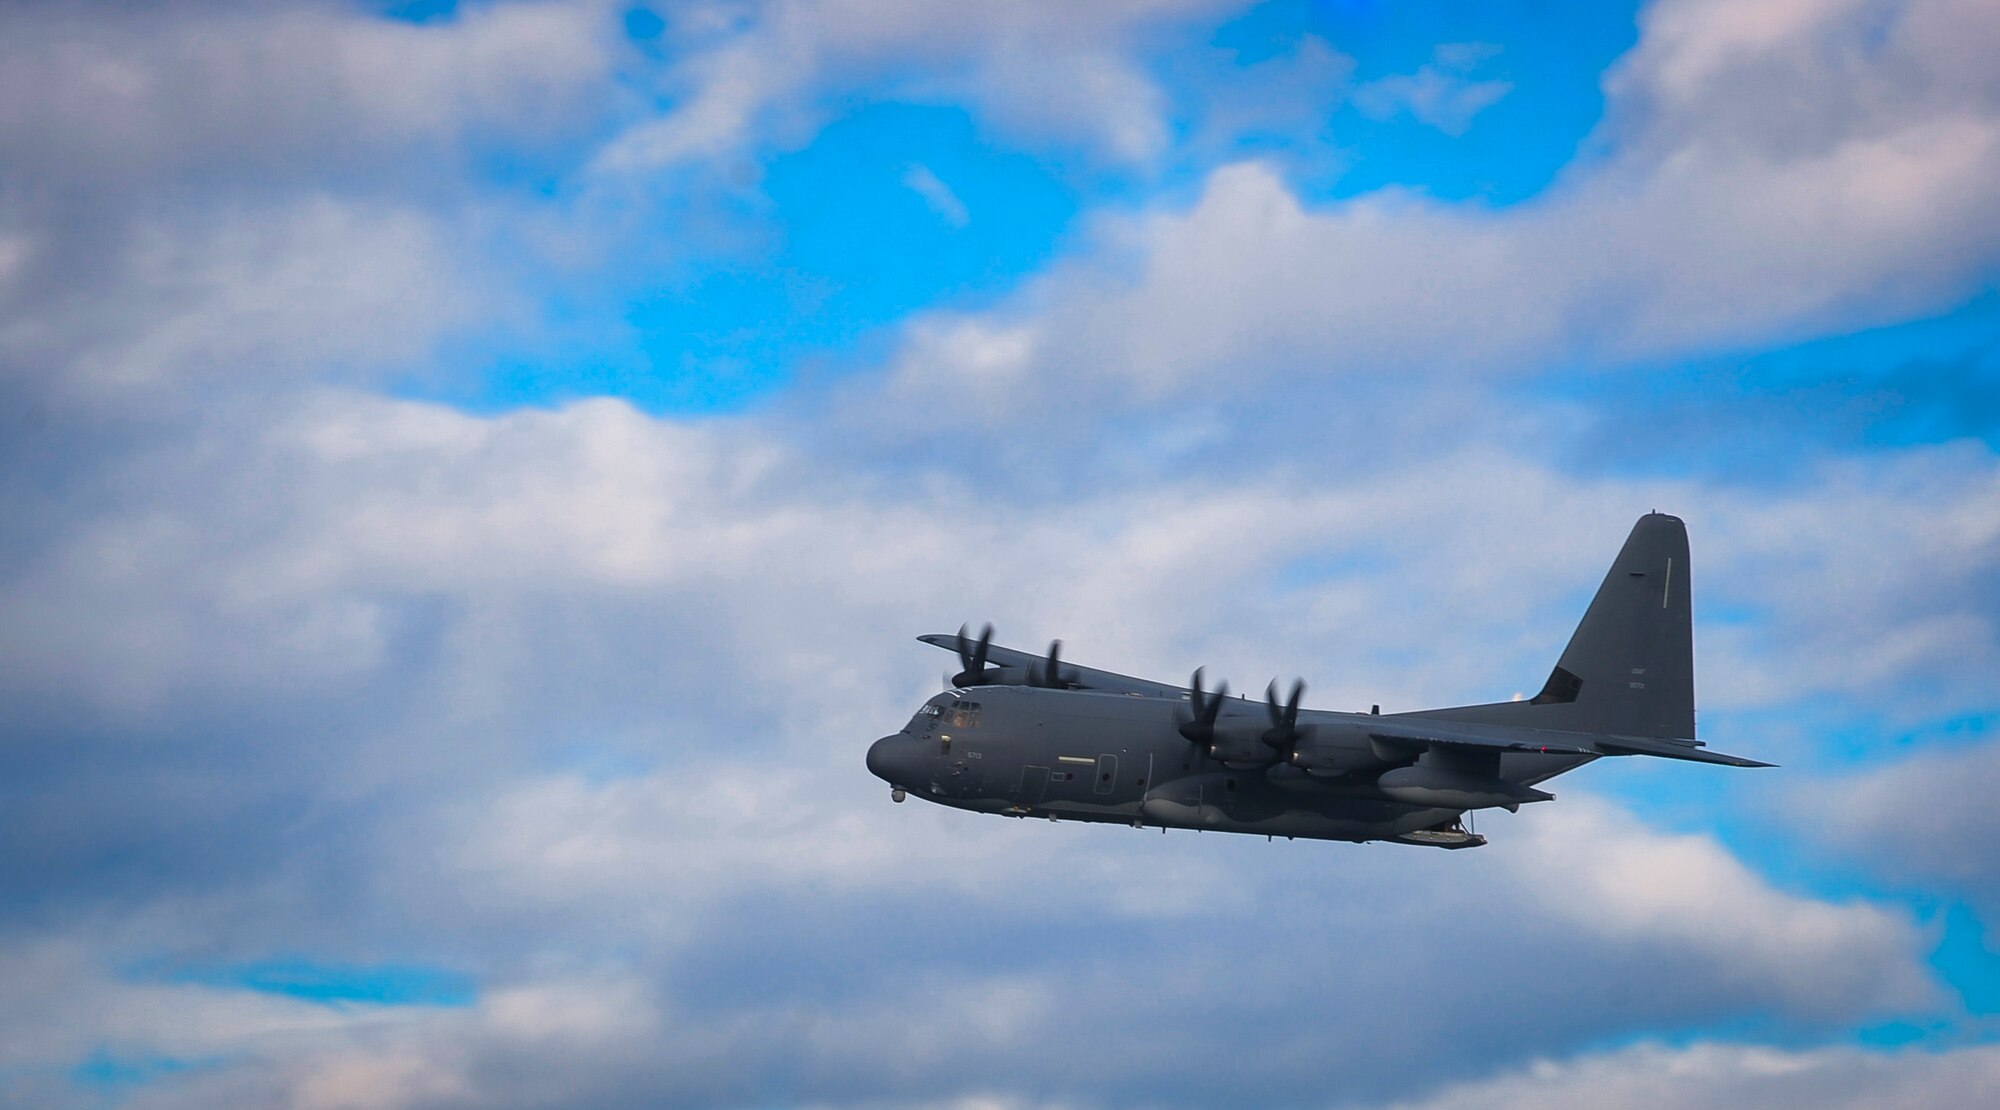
[1081, 755]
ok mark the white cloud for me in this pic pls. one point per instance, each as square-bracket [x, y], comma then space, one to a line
[1925, 820]
[1442, 93]
[1714, 221]
[66, 1005]
[241, 196]
[126, 97]
[594, 574]
[1041, 69]
[1593, 869]
[920, 180]
[1591, 943]
[1719, 1076]
[315, 669]
[307, 289]
[198, 578]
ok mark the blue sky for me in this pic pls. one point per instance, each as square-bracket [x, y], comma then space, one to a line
[474, 473]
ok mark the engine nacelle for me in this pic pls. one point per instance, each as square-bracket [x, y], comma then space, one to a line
[1239, 743]
[1334, 749]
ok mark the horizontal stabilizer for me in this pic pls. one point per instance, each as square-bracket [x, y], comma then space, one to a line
[1409, 732]
[1667, 749]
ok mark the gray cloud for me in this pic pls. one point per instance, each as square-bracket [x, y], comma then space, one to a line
[113, 97]
[175, 309]
[1704, 226]
[1051, 71]
[441, 611]
[1919, 821]
[791, 948]
[1442, 93]
[1718, 1075]
[572, 701]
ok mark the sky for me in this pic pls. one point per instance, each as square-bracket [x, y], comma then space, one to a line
[471, 476]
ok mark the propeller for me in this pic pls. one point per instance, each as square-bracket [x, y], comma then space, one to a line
[1050, 675]
[1201, 728]
[973, 656]
[1284, 731]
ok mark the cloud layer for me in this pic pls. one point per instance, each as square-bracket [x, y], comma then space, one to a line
[570, 699]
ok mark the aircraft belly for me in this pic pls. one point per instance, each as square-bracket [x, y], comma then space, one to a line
[1334, 819]
[1241, 803]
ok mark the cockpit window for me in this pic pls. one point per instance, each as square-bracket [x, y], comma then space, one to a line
[962, 714]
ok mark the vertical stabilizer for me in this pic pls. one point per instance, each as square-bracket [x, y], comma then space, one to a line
[1629, 667]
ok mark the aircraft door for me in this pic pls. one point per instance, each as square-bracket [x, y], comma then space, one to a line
[1107, 774]
[1034, 784]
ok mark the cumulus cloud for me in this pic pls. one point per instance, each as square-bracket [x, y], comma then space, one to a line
[392, 509]
[1921, 820]
[477, 597]
[1442, 93]
[282, 292]
[113, 97]
[1894, 600]
[1721, 1075]
[573, 700]
[1717, 218]
[1053, 71]
[1670, 892]
[706, 983]
[209, 199]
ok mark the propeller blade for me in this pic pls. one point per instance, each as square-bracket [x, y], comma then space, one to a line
[972, 656]
[964, 648]
[1052, 673]
[1284, 732]
[1199, 724]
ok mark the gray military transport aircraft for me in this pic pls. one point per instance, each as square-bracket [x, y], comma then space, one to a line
[1032, 736]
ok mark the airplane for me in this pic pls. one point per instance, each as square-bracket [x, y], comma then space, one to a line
[1026, 735]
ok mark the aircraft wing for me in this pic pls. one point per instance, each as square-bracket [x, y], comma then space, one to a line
[1088, 678]
[1409, 733]
[1394, 731]
[1671, 749]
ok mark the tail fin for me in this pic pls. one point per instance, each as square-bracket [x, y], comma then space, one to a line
[1629, 667]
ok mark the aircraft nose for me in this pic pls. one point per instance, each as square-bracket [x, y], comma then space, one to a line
[890, 759]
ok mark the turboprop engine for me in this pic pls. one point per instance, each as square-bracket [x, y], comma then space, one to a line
[1333, 750]
[1239, 744]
